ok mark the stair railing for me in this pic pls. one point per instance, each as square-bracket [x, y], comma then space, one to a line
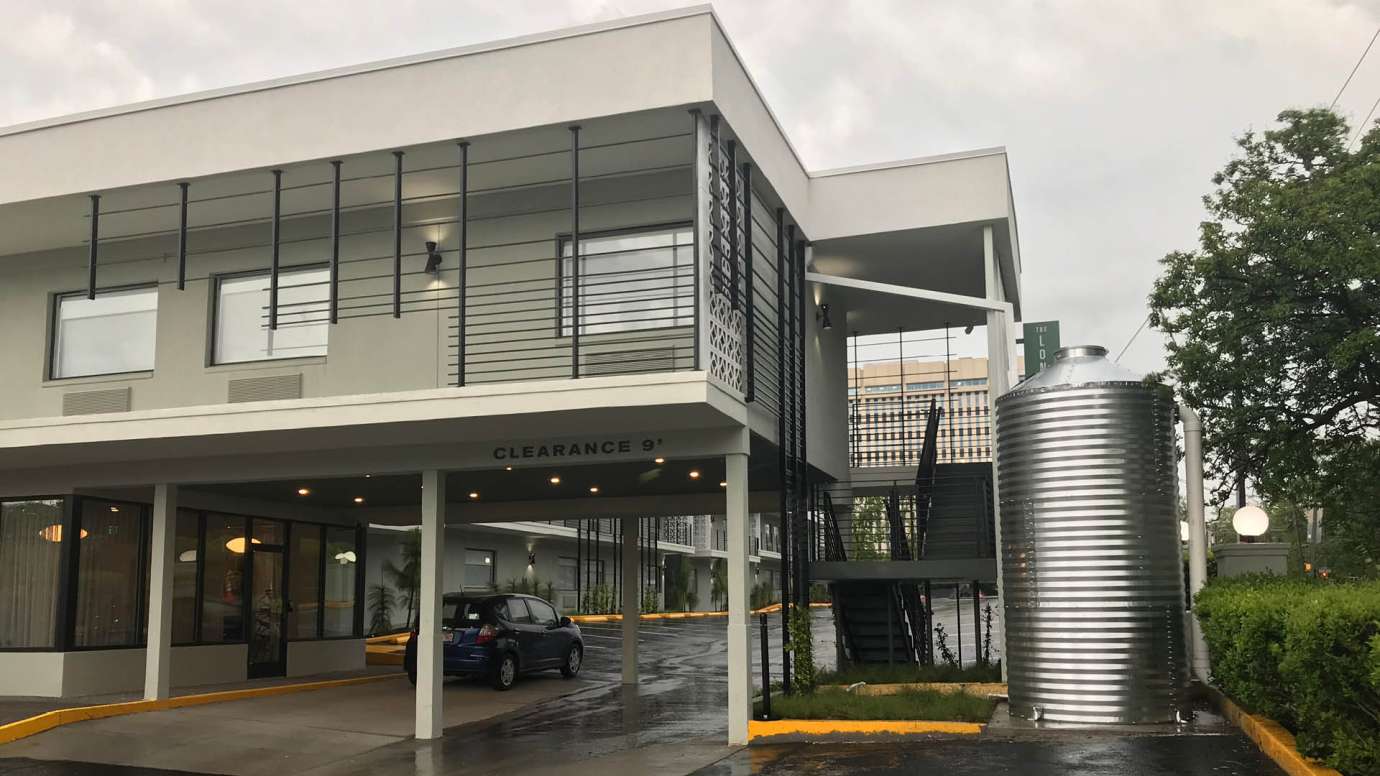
[924, 476]
[833, 539]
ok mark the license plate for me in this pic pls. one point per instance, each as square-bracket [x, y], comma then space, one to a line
[448, 637]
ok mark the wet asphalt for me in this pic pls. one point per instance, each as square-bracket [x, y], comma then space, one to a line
[674, 723]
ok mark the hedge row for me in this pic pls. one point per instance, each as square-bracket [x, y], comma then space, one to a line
[1306, 654]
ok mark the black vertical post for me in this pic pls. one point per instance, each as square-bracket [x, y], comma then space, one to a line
[182, 237]
[948, 397]
[787, 563]
[766, 670]
[977, 624]
[958, 618]
[93, 248]
[462, 253]
[803, 559]
[335, 242]
[929, 624]
[397, 232]
[901, 367]
[750, 392]
[361, 563]
[579, 566]
[574, 251]
[696, 181]
[277, 239]
[735, 253]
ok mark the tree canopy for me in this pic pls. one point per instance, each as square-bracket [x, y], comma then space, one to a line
[1273, 320]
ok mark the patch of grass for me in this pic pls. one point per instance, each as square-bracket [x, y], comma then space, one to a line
[911, 704]
[904, 674]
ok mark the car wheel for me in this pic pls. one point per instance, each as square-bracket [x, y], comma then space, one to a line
[506, 673]
[573, 661]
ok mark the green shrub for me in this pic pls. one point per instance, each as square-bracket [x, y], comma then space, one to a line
[907, 673]
[910, 704]
[1306, 654]
[802, 651]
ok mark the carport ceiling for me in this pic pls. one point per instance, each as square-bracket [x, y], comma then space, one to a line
[522, 483]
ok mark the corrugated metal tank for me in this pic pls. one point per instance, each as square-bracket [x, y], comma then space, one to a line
[1094, 587]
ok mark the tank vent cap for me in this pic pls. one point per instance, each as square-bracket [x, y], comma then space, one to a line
[1079, 351]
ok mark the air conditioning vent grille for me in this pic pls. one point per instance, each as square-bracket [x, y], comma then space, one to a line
[273, 387]
[96, 402]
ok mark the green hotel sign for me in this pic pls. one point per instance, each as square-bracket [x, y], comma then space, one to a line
[1041, 340]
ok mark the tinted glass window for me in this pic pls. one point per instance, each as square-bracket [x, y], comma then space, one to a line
[30, 544]
[110, 590]
[341, 566]
[184, 578]
[304, 588]
[222, 596]
[542, 613]
[517, 612]
[110, 334]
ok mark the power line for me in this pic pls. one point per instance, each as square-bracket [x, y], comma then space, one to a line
[1361, 128]
[1352, 74]
[1133, 337]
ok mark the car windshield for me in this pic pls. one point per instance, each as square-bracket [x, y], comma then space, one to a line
[462, 613]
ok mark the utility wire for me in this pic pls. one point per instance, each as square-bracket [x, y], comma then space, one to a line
[1133, 337]
[1352, 74]
[1361, 128]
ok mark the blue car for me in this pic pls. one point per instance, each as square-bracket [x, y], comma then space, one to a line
[497, 637]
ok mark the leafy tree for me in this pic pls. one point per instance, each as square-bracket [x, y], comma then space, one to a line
[406, 574]
[871, 531]
[1274, 320]
[381, 603]
[718, 584]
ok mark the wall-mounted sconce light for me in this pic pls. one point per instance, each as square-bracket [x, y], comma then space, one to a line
[531, 558]
[968, 329]
[433, 258]
[822, 315]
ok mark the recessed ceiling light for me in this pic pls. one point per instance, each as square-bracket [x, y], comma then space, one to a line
[367, 476]
[723, 483]
[593, 488]
[474, 494]
[694, 474]
[114, 509]
[555, 480]
[359, 499]
[507, 468]
[660, 460]
[304, 491]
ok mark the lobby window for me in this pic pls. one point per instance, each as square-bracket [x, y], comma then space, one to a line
[112, 574]
[342, 564]
[241, 330]
[30, 549]
[111, 334]
[304, 586]
[185, 576]
[630, 280]
[222, 596]
[479, 569]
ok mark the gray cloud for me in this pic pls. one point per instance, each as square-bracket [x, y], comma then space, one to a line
[1115, 113]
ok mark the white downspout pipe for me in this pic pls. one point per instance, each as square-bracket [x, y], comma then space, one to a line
[1197, 532]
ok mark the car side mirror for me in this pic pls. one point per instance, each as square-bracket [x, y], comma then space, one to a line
[565, 621]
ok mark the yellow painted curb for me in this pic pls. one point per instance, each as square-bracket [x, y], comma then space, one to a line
[764, 729]
[48, 720]
[1277, 743]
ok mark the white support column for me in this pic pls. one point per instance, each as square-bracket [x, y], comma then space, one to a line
[158, 658]
[999, 370]
[632, 598]
[739, 629]
[429, 672]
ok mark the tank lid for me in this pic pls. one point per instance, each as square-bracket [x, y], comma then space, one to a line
[1079, 365]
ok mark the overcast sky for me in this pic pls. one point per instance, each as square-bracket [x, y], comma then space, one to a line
[1115, 114]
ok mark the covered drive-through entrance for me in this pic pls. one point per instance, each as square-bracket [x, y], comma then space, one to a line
[298, 483]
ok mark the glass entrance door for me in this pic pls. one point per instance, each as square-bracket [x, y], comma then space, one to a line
[267, 613]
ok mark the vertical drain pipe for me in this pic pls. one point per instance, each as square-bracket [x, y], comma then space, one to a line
[1197, 533]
